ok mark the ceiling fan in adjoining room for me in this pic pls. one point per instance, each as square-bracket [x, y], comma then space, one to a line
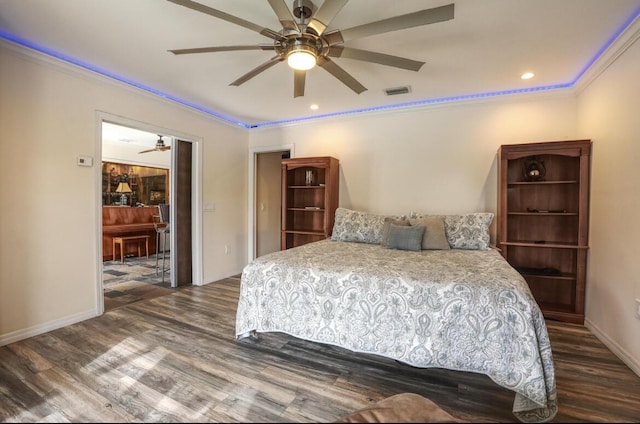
[304, 43]
[160, 146]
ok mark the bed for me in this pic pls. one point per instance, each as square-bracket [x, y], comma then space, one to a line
[463, 309]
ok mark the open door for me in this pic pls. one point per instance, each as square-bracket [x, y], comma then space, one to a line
[182, 244]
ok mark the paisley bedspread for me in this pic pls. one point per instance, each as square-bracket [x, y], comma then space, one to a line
[465, 310]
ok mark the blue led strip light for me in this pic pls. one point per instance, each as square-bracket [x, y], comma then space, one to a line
[420, 103]
[81, 64]
[600, 52]
[105, 73]
[614, 37]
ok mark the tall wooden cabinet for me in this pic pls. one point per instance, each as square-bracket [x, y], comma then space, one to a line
[309, 199]
[543, 221]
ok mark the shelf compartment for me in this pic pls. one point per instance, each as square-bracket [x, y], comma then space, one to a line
[307, 209]
[296, 177]
[300, 198]
[528, 227]
[562, 259]
[515, 183]
[297, 238]
[524, 197]
[548, 244]
[305, 219]
[523, 213]
[566, 276]
[559, 168]
[310, 232]
[552, 293]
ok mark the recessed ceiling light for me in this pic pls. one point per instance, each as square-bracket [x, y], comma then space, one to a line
[314, 107]
[527, 75]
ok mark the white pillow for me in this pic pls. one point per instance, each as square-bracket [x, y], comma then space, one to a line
[466, 231]
[359, 227]
[469, 231]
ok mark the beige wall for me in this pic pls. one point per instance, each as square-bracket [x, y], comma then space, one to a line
[433, 159]
[48, 219]
[439, 160]
[609, 114]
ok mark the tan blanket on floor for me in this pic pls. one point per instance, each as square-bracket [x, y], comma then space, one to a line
[402, 408]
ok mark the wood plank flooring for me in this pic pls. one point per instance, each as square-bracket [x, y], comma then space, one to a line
[174, 358]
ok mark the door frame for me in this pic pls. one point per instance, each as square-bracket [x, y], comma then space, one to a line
[196, 195]
[253, 164]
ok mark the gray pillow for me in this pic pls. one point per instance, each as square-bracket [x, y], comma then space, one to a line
[387, 225]
[405, 237]
[435, 237]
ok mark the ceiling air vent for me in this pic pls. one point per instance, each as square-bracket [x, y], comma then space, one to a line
[397, 90]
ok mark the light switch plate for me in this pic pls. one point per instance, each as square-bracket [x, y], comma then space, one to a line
[85, 161]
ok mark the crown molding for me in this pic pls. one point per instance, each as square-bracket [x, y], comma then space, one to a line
[612, 52]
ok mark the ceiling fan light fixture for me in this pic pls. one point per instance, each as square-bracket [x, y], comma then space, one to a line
[302, 56]
[301, 60]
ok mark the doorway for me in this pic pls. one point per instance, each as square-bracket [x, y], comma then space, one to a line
[139, 277]
[265, 188]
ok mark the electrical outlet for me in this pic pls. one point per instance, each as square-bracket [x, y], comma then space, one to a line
[638, 308]
[226, 249]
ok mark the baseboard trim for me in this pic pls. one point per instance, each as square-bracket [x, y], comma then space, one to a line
[618, 350]
[36, 330]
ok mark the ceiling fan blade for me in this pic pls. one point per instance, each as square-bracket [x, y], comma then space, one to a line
[323, 16]
[380, 58]
[410, 20]
[156, 149]
[299, 78]
[266, 65]
[222, 49]
[147, 151]
[227, 17]
[331, 67]
[284, 15]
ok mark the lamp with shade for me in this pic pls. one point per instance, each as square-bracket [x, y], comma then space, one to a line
[123, 189]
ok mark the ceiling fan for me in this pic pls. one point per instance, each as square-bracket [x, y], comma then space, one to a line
[304, 43]
[159, 146]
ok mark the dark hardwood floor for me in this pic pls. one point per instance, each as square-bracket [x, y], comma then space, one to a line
[174, 358]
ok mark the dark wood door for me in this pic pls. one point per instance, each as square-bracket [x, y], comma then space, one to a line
[182, 201]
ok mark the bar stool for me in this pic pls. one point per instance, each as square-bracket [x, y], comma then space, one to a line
[161, 224]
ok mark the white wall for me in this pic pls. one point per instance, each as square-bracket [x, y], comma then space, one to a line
[439, 160]
[608, 114]
[48, 221]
